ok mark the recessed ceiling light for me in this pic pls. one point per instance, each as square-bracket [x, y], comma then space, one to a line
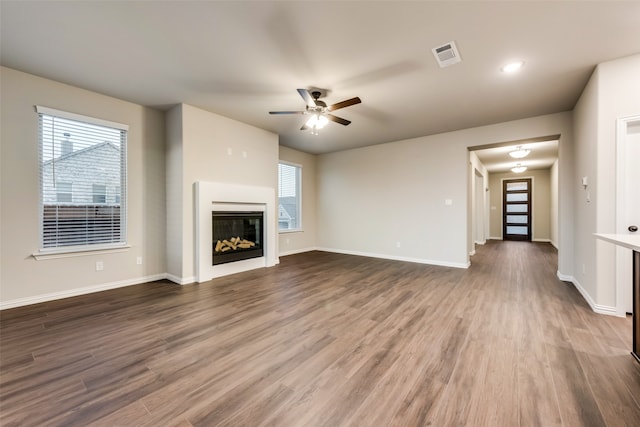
[512, 67]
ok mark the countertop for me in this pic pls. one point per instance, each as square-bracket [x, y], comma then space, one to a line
[631, 241]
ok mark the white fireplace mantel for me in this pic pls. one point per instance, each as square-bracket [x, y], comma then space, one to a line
[232, 197]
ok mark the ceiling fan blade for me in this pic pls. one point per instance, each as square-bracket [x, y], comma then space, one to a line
[287, 112]
[308, 99]
[343, 104]
[338, 119]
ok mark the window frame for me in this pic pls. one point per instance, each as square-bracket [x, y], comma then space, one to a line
[60, 193]
[299, 168]
[87, 248]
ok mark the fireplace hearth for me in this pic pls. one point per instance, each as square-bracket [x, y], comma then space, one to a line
[236, 236]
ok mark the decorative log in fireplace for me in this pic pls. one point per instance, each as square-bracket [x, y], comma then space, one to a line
[237, 236]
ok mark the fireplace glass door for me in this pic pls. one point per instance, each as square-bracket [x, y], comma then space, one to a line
[237, 236]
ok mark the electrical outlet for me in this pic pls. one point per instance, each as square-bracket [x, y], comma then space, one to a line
[99, 265]
[139, 260]
[397, 244]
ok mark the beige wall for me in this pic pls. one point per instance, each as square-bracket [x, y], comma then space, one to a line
[23, 279]
[540, 198]
[304, 240]
[612, 92]
[204, 146]
[371, 198]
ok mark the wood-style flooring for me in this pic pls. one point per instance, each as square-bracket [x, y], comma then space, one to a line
[327, 340]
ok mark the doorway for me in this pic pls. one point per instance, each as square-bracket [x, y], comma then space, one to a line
[516, 209]
[479, 219]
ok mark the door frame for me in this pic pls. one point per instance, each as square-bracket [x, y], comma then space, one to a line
[622, 267]
[480, 219]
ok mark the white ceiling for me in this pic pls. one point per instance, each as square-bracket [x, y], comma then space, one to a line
[242, 59]
[542, 155]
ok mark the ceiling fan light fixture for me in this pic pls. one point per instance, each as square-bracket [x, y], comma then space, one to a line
[317, 121]
[518, 168]
[519, 152]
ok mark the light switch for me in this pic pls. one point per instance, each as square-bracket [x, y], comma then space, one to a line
[448, 202]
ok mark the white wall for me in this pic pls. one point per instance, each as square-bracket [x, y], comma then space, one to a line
[24, 280]
[305, 240]
[371, 198]
[208, 147]
[613, 91]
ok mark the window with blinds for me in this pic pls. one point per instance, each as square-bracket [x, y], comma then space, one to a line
[289, 197]
[82, 181]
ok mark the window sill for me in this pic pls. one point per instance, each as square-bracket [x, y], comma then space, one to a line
[293, 230]
[69, 253]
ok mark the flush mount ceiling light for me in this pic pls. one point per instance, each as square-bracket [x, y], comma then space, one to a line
[518, 168]
[519, 152]
[512, 67]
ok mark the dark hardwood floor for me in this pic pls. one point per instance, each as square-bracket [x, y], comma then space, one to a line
[327, 340]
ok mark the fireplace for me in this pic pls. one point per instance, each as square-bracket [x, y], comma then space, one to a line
[236, 236]
[225, 198]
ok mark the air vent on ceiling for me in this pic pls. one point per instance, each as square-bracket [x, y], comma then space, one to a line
[447, 54]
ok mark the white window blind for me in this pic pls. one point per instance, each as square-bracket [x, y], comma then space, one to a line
[289, 197]
[82, 181]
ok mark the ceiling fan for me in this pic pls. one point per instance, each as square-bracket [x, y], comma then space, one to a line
[319, 110]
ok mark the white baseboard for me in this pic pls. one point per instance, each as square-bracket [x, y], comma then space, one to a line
[78, 291]
[598, 308]
[541, 240]
[495, 238]
[180, 280]
[472, 253]
[398, 258]
[298, 251]
[482, 242]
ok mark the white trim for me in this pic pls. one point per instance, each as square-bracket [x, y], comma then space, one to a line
[290, 230]
[180, 280]
[484, 242]
[298, 251]
[80, 118]
[541, 240]
[622, 124]
[598, 308]
[472, 253]
[397, 258]
[241, 197]
[84, 251]
[495, 238]
[20, 302]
